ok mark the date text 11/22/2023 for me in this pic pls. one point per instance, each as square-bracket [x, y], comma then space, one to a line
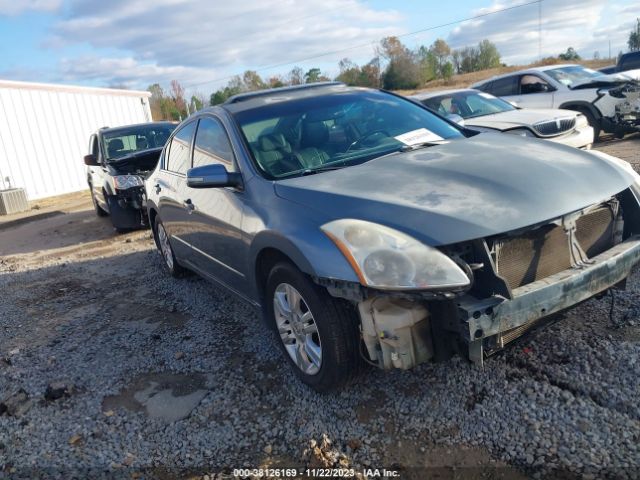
[313, 473]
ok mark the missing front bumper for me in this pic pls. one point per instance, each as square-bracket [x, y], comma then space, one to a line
[487, 318]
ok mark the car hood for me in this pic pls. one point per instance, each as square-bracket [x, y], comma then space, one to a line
[517, 118]
[137, 162]
[633, 74]
[609, 80]
[470, 188]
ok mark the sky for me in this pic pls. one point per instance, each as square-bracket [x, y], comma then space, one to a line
[202, 43]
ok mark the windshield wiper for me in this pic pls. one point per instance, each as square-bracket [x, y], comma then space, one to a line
[324, 168]
[417, 146]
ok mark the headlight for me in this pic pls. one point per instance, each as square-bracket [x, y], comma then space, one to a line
[387, 259]
[523, 132]
[581, 121]
[122, 182]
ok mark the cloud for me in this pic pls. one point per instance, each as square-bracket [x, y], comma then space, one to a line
[125, 72]
[16, 7]
[564, 23]
[201, 40]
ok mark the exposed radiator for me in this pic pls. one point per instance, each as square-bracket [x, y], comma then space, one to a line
[13, 200]
[595, 230]
[532, 256]
[545, 251]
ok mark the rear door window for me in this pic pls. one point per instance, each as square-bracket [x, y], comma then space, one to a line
[179, 158]
[504, 87]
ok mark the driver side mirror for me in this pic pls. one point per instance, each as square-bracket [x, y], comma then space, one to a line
[91, 160]
[454, 117]
[213, 176]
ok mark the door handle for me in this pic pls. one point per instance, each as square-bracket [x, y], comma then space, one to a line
[188, 204]
[157, 187]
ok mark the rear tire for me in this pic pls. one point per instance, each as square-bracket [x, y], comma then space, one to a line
[321, 331]
[165, 250]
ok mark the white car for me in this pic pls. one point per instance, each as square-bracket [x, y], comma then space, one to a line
[482, 111]
[611, 103]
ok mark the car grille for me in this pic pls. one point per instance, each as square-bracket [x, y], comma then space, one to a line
[555, 127]
[545, 251]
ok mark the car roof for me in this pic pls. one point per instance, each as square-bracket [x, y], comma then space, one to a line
[247, 101]
[440, 93]
[542, 68]
[133, 125]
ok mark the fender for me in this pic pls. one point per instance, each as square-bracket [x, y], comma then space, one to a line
[270, 239]
[108, 188]
[317, 256]
[583, 104]
[151, 205]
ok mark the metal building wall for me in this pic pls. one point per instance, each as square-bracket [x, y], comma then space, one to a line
[45, 129]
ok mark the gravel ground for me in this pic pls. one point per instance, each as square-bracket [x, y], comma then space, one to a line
[108, 368]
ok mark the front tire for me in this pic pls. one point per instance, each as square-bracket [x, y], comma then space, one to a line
[318, 333]
[593, 122]
[165, 249]
[100, 212]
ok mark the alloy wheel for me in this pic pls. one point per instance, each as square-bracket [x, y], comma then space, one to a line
[165, 246]
[297, 328]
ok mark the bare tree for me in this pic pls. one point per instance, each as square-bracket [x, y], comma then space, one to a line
[177, 92]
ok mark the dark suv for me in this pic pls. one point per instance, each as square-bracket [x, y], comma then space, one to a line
[626, 62]
[367, 227]
[119, 160]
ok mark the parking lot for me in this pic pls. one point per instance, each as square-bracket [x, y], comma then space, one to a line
[109, 367]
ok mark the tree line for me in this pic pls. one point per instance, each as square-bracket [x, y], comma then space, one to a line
[393, 67]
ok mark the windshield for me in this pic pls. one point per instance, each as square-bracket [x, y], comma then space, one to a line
[336, 130]
[122, 142]
[467, 104]
[573, 75]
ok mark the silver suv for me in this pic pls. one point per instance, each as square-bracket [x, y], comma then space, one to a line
[611, 103]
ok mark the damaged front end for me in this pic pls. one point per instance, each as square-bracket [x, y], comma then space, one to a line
[130, 200]
[518, 279]
[627, 110]
[620, 107]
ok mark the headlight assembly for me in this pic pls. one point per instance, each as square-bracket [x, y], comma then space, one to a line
[123, 182]
[387, 259]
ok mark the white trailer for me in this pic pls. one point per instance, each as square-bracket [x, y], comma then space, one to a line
[45, 130]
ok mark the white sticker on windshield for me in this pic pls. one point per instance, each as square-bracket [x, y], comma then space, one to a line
[416, 137]
[485, 95]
